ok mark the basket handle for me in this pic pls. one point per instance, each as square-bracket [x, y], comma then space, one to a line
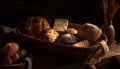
[100, 51]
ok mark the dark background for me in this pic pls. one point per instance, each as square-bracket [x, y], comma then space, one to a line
[77, 11]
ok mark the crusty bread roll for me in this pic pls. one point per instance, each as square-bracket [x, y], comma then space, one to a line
[20, 54]
[8, 51]
[67, 39]
[11, 53]
[71, 31]
[35, 25]
[10, 48]
[50, 35]
[15, 57]
[90, 32]
[11, 59]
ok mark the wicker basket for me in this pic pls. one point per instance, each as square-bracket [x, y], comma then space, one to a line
[24, 63]
[57, 49]
[21, 65]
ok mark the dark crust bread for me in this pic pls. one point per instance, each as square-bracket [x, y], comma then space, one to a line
[8, 51]
[71, 31]
[11, 48]
[35, 25]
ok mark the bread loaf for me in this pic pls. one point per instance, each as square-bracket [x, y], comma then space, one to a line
[11, 53]
[15, 57]
[50, 35]
[90, 32]
[35, 25]
[10, 48]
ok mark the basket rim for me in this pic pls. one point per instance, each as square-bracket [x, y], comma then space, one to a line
[61, 47]
[11, 65]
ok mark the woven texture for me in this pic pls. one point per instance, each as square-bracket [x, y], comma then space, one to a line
[57, 49]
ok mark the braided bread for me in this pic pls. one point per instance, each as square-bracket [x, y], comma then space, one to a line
[35, 25]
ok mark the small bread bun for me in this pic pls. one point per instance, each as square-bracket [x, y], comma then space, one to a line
[72, 31]
[84, 43]
[50, 35]
[15, 57]
[10, 49]
[10, 53]
[67, 39]
[89, 32]
[35, 25]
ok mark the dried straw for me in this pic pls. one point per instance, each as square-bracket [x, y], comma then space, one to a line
[110, 8]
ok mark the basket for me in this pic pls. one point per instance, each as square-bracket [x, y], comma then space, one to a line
[61, 50]
[14, 66]
[25, 63]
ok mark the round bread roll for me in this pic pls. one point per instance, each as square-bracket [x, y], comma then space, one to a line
[35, 25]
[71, 31]
[49, 35]
[10, 48]
[67, 39]
[89, 32]
[8, 51]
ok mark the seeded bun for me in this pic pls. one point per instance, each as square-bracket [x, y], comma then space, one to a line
[71, 31]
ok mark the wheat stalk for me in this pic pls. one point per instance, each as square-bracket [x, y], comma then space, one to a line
[109, 9]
